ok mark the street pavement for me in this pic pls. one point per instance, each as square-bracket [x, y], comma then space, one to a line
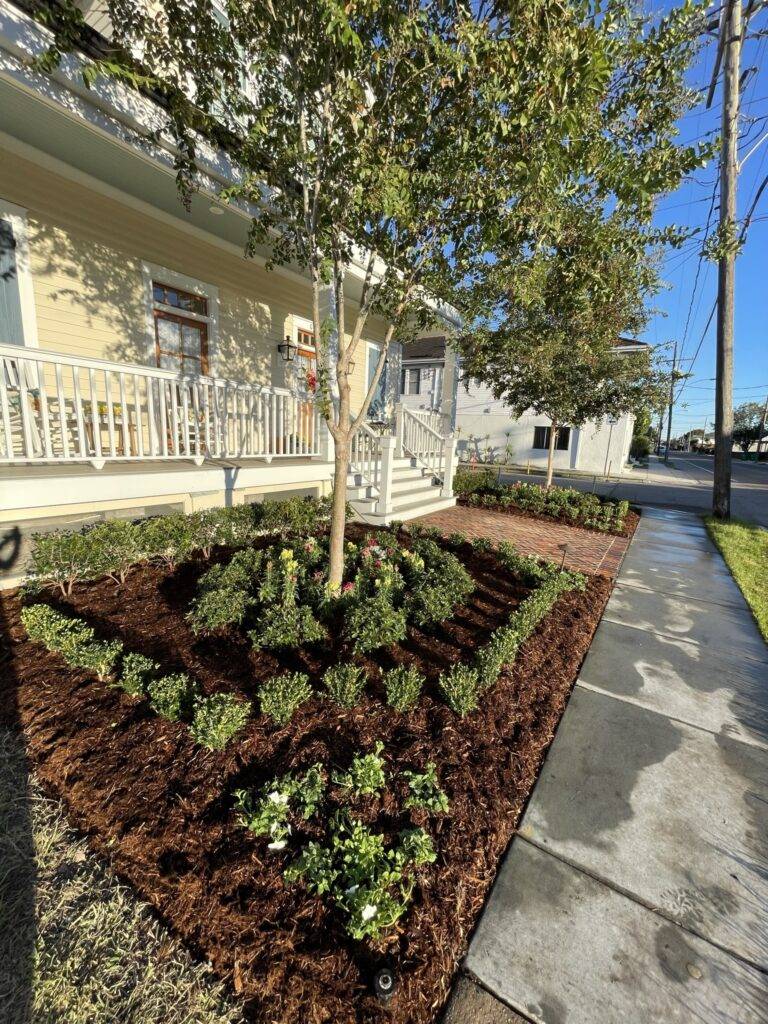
[683, 483]
[636, 889]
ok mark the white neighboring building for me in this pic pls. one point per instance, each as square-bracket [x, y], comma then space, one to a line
[487, 431]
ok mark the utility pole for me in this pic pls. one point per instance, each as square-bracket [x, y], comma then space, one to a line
[658, 432]
[762, 428]
[671, 397]
[730, 46]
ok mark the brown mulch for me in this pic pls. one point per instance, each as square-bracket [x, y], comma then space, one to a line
[159, 808]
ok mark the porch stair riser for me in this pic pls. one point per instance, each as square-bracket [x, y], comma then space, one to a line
[414, 493]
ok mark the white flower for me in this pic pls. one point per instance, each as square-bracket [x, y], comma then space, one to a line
[352, 889]
[368, 911]
[278, 844]
[278, 798]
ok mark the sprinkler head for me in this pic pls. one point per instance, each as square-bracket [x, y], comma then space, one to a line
[384, 984]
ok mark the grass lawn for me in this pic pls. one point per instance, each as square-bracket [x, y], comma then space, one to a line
[744, 546]
[76, 946]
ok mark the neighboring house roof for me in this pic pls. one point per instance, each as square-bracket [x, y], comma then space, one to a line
[425, 348]
[433, 349]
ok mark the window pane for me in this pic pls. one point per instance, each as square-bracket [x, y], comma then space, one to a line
[169, 361]
[414, 381]
[168, 333]
[11, 328]
[541, 437]
[179, 299]
[191, 340]
[563, 439]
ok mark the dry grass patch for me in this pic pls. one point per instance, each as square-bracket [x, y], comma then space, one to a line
[75, 944]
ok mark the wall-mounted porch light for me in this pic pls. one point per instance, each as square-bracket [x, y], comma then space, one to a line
[288, 349]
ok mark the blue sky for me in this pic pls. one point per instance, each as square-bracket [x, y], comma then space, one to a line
[689, 299]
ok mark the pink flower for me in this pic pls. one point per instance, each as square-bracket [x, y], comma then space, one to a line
[346, 587]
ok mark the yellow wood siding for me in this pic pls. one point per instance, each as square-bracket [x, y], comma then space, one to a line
[86, 255]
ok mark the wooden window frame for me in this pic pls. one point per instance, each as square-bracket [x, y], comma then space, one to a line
[198, 324]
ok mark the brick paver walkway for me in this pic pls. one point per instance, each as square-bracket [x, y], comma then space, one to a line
[583, 549]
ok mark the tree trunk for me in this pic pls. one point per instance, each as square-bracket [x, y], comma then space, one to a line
[338, 513]
[553, 432]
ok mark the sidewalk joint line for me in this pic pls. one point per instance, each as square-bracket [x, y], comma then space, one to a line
[758, 744]
[639, 901]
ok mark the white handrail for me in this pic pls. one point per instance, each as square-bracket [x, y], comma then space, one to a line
[62, 408]
[424, 444]
[365, 456]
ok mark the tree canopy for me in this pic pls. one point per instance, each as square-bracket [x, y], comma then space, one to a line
[423, 146]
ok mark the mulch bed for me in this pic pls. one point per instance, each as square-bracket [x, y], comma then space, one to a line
[159, 808]
[631, 519]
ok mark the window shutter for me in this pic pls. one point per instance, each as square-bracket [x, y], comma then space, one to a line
[11, 327]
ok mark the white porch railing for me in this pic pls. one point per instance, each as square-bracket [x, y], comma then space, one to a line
[423, 443]
[59, 408]
[365, 457]
[432, 418]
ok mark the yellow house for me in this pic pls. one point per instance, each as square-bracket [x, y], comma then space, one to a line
[145, 362]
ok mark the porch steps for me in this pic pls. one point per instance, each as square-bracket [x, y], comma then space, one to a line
[414, 493]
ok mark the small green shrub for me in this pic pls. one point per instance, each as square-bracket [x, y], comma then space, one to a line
[466, 482]
[280, 696]
[403, 686]
[345, 683]
[425, 790]
[417, 847]
[169, 538]
[59, 559]
[217, 719]
[282, 627]
[460, 686]
[136, 673]
[226, 592]
[481, 544]
[115, 546]
[364, 880]
[374, 622]
[72, 638]
[173, 696]
[457, 539]
[269, 813]
[366, 773]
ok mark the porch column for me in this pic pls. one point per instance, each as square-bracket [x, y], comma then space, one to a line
[449, 465]
[387, 446]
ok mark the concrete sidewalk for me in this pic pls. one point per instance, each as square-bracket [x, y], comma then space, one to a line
[637, 888]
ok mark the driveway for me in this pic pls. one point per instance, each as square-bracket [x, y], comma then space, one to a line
[684, 483]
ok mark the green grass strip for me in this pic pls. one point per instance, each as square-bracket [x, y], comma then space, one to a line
[744, 547]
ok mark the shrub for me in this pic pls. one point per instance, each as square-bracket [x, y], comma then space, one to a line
[291, 626]
[460, 686]
[269, 814]
[417, 847]
[226, 592]
[280, 696]
[136, 673]
[442, 585]
[345, 683]
[403, 686]
[115, 546]
[375, 622]
[217, 719]
[72, 638]
[169, 538]
[299, 516]
[366, 773]
[173, 696]
[481, 544]
[468, 481]
[457, 539]
[425, 790]
[365, 880]
[59, 559]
